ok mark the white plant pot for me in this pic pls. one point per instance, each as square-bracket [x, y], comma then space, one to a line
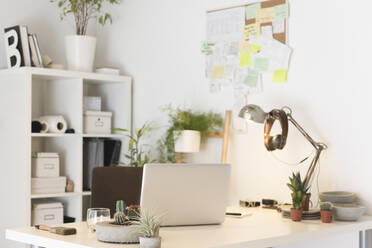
[187, 141]
[150, 242]
[80, 52]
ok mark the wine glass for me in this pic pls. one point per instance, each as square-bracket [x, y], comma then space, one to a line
[96, 215]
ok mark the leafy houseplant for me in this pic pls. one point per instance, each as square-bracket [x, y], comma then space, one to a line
[298, 189]
[147, 226]
[326, 212]
[136, 155]
[80, 48]
[181, 122]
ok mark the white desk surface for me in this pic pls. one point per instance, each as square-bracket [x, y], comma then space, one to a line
[264, 228]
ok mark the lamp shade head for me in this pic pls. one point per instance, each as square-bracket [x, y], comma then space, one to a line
[253, 112]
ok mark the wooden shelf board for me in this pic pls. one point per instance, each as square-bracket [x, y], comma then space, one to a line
[215, 135]
[66, 194]
[119, 136]
[53, 74]
[55, 135]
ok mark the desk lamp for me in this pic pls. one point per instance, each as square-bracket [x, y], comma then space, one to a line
[254, 113]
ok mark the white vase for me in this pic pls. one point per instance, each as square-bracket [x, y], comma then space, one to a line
[187, 141]
[150, 242]
[80, 52]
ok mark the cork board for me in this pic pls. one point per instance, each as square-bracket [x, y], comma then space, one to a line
[282, 37]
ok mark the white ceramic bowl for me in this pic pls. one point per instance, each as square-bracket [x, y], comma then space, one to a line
[337, 197]
[348, 212]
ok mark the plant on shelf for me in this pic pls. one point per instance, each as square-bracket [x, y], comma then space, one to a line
[298, 189]
[326, 212]
[80, 48]
[136, 155]
[186, 127]
[147, 226]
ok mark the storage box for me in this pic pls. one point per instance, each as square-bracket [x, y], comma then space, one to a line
[92, 103]
[48, 185]
[45, 165]
[96, 122]
[47, 213]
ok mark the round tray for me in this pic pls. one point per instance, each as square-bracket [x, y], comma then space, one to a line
[111, 233]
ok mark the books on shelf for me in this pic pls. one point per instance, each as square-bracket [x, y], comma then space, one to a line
[22, 48]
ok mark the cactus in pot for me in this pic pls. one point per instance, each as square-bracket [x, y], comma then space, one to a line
[120, 216]
[326, 212]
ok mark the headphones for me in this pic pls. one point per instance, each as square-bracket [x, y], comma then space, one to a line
[273, 143]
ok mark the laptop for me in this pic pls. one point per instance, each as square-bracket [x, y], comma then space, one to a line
[186, 194]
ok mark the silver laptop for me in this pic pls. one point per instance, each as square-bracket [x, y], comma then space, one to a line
[187, 194]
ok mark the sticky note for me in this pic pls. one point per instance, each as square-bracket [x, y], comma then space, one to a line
[245, 59]
[267, 31]
[280, 76]
[251, 30]
[218, 72]
[281, 11]
[261, 64]
[251, 10]
[255, 48]
[252, 78]
[265, 15]
[244, 47]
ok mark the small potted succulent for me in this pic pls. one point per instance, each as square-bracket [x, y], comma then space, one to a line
[326, 212]
[298, 196]
[122, 230]
[147, 226]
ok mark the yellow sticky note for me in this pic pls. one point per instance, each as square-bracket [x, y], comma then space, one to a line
[280, 76]
[251, 30]
[244, 47]
[265, 15]
[245, 59]
[218, 72]
[255, 48]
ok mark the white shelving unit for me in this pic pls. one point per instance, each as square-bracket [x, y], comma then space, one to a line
[28, 93]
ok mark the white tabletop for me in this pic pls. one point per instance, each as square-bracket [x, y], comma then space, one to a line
[264, 228]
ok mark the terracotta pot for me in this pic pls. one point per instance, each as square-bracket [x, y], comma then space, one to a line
[296, 214]
[307, 201]
[326, 216]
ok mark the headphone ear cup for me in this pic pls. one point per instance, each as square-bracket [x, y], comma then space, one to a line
[277, 141]
[270, 146]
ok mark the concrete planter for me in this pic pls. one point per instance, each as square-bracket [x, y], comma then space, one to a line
[112, 233]
[150, 242]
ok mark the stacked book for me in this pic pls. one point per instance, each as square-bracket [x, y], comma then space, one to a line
[22, 48]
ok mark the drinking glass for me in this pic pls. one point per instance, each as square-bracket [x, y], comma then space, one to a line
[96, 215]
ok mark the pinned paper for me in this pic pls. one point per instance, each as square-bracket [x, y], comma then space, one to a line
[278, 26]
[281, 11]
[207, 47]
[251, 79]
[255, 48]
[261, 64]
[251, 10]
[267, 31]
[251, 30]
[280, 76]
[244, 47]
[245, 59]
[265, 15]
[218, 72]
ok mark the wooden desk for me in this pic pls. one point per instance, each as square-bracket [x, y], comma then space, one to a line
[264, 228]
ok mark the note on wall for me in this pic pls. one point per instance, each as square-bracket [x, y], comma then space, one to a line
[225, 25]
[281, 11]
[252, 78]
[218, 72]
[261, 64]
[245, 59]
[280, 76]
[244, 47]
[251, 10]
[251, 30]
[279, 26]
[265, 15]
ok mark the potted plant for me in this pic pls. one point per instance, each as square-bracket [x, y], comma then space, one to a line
[147, 226]
[81, 48]
[296, 185]
[326, 212]
[185, 131]
[122, 229]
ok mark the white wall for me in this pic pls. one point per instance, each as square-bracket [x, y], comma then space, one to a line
[158, 43]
